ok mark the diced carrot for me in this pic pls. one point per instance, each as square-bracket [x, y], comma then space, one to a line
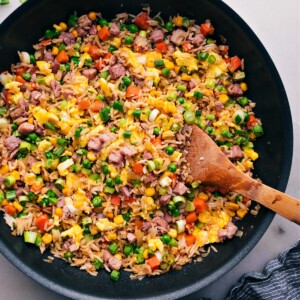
[235, 63]
[8, 98]
[32, 85]
[246, 199]
[186, 46]
[251, 121]
[103, 33]
[137, 168]
[41, 221]
[223, 49]
[191, 217]
[84, 103]
[162, 47]
[115, 200]
[20, 79]
[94, 52]
[10, 209]
[153, 262]
[190, 239]
[100, 64]
[156, 141]
[20, 70]
[62, 56]
[129, 200]
[142, 20]
[222, 190]
[96, 106]
[227, 60]
[138, 223]
[132, 91]
[200, 204]
[174, 179]
[107, 56]
[36, 187]
[207, 29]
[46, 42]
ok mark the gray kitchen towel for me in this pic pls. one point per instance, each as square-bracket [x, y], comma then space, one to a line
[280, 279]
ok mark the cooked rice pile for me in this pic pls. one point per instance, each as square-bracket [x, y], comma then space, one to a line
[94, 125]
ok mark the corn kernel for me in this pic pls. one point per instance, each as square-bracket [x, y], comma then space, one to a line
[186, 77]
[244, 86]
[241, 213]
[65, 128]
[223, 98]
[3, 203]
[91, 156]
[109, 215]
[252, 136]
[57, 27]
[146, 254]
[118, 219]
[178, 21]
[231, 213]
[93, 229]
[111, 236]
[251, 153]
[17, 206]
[203, 196]
[149, 192]
[118, 256]
[4, 169]
[226, 83]
[15, 174]
[172, 233]
[149, 147]
[116, 42]
[98, 27]
[75, 33]
[40, 199]
[58, 211]
[176, 69]
[170, 65]
[54, 51]
[63, 26]
[86, 48]
[232, 206]
[47, 238]
[30, 120]
[92, 16]
[30, 179]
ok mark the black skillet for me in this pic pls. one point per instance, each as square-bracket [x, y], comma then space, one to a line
[23, 28]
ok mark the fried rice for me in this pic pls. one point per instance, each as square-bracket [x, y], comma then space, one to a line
[94, 129]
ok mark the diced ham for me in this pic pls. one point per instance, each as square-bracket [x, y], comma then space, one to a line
[196, 39]
[168, 217]
[48, 56]
[178, 37]
[125, 191]
[191, 84]
[146, 225]
[93, 30]
[157, 36]
[131, 237]
[114, 263]
[149, 178]
[67, 37]
[106, 137]
[116, 157]
[17, 112]
[234, 152]
[219, 105]
[117, 71]
[94, 144]
[128, 151]
[67, 93]
[11, 143]
[35, 96]
[56, 88]
[235, 90]
[228, 232]
[162, 224]
[13, 154]
[73, 247]
[26, 128]
[81, 31]
[140, 44]
[180, 188]
[107, 255]
[90, 73]
[147, 155]
[84, 21]
[114, 28]
[1, 179]
[165, 199]
[55, 66]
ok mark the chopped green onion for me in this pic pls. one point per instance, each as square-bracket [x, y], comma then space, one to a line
[24, 148]
[210, 117]
[189, 206]
[127, 134]
[114, 129]
[30, 236]
[180, 225]
[105, 114]
[227, 134]
[143, 33]
[104, 74]
[166, 72]
[113, 248]
[77, 132]
[189, 117]
[211, 59]
[97, 264]
[258, 130]
[59, 183]
[150, 165]
[159, 63]
[115, 275]
[181, 88]
[178, 200]
[9, 181]
[243, 101]
[109, 190]
[11, 195]
[127, 249]
[50, 126]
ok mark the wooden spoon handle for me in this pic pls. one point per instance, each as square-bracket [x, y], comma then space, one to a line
[282, 204]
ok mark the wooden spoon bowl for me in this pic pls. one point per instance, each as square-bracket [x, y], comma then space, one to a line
[209, 165]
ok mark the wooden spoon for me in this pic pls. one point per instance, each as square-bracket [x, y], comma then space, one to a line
[209, 165]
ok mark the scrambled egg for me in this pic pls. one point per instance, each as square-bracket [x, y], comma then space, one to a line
[75, 232]
[184, 59]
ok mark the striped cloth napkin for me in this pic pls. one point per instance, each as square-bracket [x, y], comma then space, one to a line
[280, 280]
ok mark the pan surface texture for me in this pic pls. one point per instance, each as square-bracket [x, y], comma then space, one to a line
[27, 24]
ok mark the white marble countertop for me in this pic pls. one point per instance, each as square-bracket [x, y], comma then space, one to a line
[276, 23]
